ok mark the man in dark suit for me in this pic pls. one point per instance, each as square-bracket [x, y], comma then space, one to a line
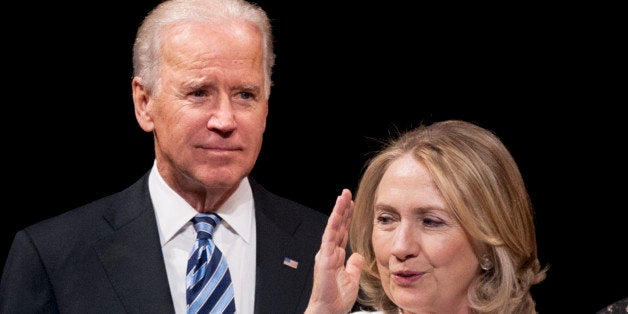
[201, 84]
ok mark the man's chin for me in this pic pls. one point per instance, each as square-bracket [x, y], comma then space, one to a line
[220, 180]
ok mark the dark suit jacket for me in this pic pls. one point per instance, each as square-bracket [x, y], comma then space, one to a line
[105, 257]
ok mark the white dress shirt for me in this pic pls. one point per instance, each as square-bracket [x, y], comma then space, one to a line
[235, 237]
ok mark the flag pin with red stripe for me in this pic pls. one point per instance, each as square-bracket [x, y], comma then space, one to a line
[290, 262]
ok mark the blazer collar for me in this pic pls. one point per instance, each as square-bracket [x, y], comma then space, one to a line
[131, 255]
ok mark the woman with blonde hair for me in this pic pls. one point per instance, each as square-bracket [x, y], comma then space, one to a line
[442, 223]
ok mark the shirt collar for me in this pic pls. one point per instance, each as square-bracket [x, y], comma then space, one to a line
[174, 213]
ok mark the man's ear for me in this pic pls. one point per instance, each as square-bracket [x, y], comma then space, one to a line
[141, 99]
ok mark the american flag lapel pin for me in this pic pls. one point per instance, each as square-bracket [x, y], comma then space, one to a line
[290, 262]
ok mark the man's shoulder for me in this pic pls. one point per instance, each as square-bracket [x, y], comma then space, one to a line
[287, 214]
[265, 198]
[84, 219]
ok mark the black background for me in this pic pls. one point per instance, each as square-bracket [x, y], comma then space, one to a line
[545, 79]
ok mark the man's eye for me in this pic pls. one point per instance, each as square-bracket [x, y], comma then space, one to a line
[245, 95]
[199, 93]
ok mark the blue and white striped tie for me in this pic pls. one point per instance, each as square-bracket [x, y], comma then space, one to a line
[209, 286]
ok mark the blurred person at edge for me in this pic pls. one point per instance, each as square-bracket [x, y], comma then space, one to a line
[442, 223]
[201, 85]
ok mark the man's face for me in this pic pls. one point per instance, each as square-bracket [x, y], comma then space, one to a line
[208, 114]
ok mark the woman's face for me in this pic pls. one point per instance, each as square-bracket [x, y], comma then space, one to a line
[425, 260]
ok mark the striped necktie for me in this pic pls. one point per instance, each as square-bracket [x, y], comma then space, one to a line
[209, 286]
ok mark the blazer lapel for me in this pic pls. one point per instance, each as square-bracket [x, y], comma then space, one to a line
[280, 286]
[132, 255]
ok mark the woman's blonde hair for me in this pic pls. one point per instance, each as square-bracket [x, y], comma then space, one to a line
[483, 187]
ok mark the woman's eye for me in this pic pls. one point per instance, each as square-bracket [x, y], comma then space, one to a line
[432, 222]
[384, 219]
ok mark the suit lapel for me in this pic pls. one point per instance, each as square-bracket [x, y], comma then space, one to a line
[279, 287]
[132, 255]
